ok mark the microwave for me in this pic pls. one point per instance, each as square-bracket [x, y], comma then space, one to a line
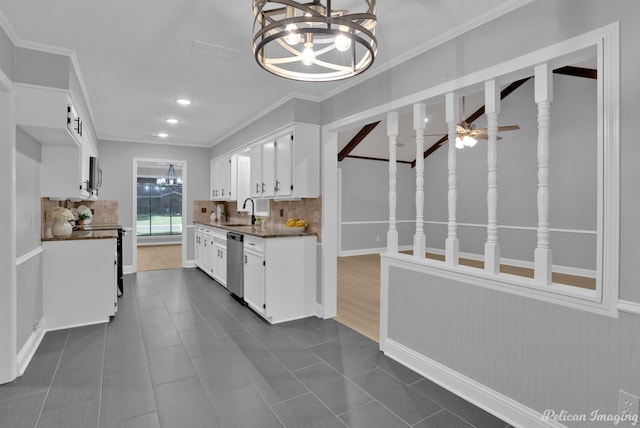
[95, 174]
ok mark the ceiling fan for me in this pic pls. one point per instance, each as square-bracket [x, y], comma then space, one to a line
[468, 136]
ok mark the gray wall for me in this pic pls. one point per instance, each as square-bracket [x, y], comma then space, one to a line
[532, 27]
[365, 186]
[7, 54]
[42, 68]
[28, 220]
[539, 354]
[116, 161]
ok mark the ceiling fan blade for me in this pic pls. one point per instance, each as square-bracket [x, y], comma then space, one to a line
[500, 128]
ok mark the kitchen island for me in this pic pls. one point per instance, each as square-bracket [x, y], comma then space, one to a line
[79, 279]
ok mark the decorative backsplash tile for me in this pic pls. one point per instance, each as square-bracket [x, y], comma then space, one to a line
[307, 209]
[104, 212]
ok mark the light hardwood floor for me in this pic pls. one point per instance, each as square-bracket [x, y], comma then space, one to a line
[155, 257]
[359, 289]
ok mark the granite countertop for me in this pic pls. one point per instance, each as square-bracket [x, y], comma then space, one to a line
[259, 231]
[77, 235]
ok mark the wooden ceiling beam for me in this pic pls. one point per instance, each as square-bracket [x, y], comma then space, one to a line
[361, 135]
[377, 159]
[588, 73]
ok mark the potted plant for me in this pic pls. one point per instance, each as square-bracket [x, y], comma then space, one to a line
[81, 218]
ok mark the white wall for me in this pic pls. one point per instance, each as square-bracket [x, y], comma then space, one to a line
[28, 216]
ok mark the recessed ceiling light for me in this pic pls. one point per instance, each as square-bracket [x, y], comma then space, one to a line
[172, 121]
[161, 135]
[183, 101]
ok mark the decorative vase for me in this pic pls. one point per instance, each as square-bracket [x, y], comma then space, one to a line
[61, 228]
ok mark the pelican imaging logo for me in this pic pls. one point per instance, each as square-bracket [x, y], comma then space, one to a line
[594, 416]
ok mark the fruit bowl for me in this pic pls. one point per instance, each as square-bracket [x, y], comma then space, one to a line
[295, 228]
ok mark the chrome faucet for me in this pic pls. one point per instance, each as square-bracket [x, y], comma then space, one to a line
[253, 209]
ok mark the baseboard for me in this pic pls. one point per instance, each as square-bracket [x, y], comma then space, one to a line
[189, 264]
[30, 347]
[128, 269]
[486, 398]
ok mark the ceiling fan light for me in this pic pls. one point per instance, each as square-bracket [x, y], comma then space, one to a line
[459, 143]
[469, 141]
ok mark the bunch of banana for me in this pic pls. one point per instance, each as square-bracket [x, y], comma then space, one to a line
[296, 222]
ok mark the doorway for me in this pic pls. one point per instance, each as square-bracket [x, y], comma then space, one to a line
[159, 213]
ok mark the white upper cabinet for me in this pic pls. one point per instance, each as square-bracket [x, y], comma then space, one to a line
[224, 178]
[287, 165]
[49, 116]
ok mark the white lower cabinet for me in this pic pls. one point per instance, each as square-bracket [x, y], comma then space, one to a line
[210, 251]
[280, 277]
[79, 282]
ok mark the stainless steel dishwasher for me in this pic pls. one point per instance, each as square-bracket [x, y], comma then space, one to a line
[235, 265]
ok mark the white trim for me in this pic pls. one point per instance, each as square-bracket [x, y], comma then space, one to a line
[28, 256]
[330, 225]
[559, 294]
[503, 407]
[6, 85]
[569, 270]
[30, 347]
[8, 28]
[629, 307]
[478, 225]
[134, 206]
[365, 251]
[607, 41]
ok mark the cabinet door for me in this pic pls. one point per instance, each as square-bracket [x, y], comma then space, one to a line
[221, 265]
[268, 169]
[255, 171]
[196, 249]
[284, 164]
[254, 281]
[212, 180]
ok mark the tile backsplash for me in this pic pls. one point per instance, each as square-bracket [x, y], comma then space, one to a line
[104, 212]
[309, 209]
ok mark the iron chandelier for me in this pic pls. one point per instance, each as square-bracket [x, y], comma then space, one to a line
[314, 41]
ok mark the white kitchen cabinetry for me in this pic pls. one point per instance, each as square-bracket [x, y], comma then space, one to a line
[280, 277]
[211, 252]
[224, 178]
[48, 115]
[254, 274]
[79, 282]
[220, 256]
[287, 164]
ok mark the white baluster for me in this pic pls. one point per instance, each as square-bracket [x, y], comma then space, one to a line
[492, 109]
[419, 242]
[392, 132]
[543, 97]
[452, 116]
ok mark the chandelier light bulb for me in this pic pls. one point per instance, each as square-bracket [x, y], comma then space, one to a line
[292, 38]
[308, 55]
[342, 42]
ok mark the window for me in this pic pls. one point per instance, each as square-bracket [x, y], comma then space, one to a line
[159, 208]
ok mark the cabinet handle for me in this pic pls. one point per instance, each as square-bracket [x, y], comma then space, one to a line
[257, 189]
[245, 259]
[277, 188]
[222, 191]
[263, 187]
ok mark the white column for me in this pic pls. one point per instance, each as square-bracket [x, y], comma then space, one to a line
[419, 115]
[543, 97]
[392, 132]
[452, 117]
[492, 109]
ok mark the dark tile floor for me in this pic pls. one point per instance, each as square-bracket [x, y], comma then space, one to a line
[181, 353]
